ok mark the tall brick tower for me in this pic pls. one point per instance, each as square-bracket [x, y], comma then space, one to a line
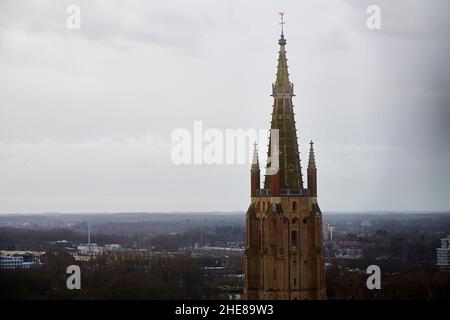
[284, 251]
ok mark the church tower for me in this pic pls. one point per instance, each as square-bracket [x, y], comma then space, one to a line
[284, 251]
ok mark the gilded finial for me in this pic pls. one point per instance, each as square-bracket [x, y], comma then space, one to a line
[282, 21]
[282, 41]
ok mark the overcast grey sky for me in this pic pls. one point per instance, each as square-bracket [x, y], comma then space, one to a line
[86, 115]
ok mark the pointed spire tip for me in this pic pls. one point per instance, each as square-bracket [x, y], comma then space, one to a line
[282, 41]
[312, 159]
[255, 160]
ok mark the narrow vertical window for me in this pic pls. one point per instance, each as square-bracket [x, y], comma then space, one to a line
[294, 239]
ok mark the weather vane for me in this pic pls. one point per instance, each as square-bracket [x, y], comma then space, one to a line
[281, 13]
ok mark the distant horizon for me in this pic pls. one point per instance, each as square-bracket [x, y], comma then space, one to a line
[226, 212]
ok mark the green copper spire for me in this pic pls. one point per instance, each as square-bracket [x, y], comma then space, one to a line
[290, 175]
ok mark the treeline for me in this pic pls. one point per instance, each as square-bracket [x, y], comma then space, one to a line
[418, 284]
[177, 277]
[33, 239]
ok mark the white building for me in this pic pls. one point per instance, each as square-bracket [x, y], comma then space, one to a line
[348, 253]
[19, 261]
[330, 230]
[443, 253]
[89, 248]
[10, 261]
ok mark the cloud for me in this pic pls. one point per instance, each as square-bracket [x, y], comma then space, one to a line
[146, 149]
[113, 23]
[98, 174]
[408, 18]
[86, 116]
[381, 177]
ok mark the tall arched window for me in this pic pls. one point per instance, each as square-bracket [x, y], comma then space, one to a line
[294, 239]
[294, 206]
